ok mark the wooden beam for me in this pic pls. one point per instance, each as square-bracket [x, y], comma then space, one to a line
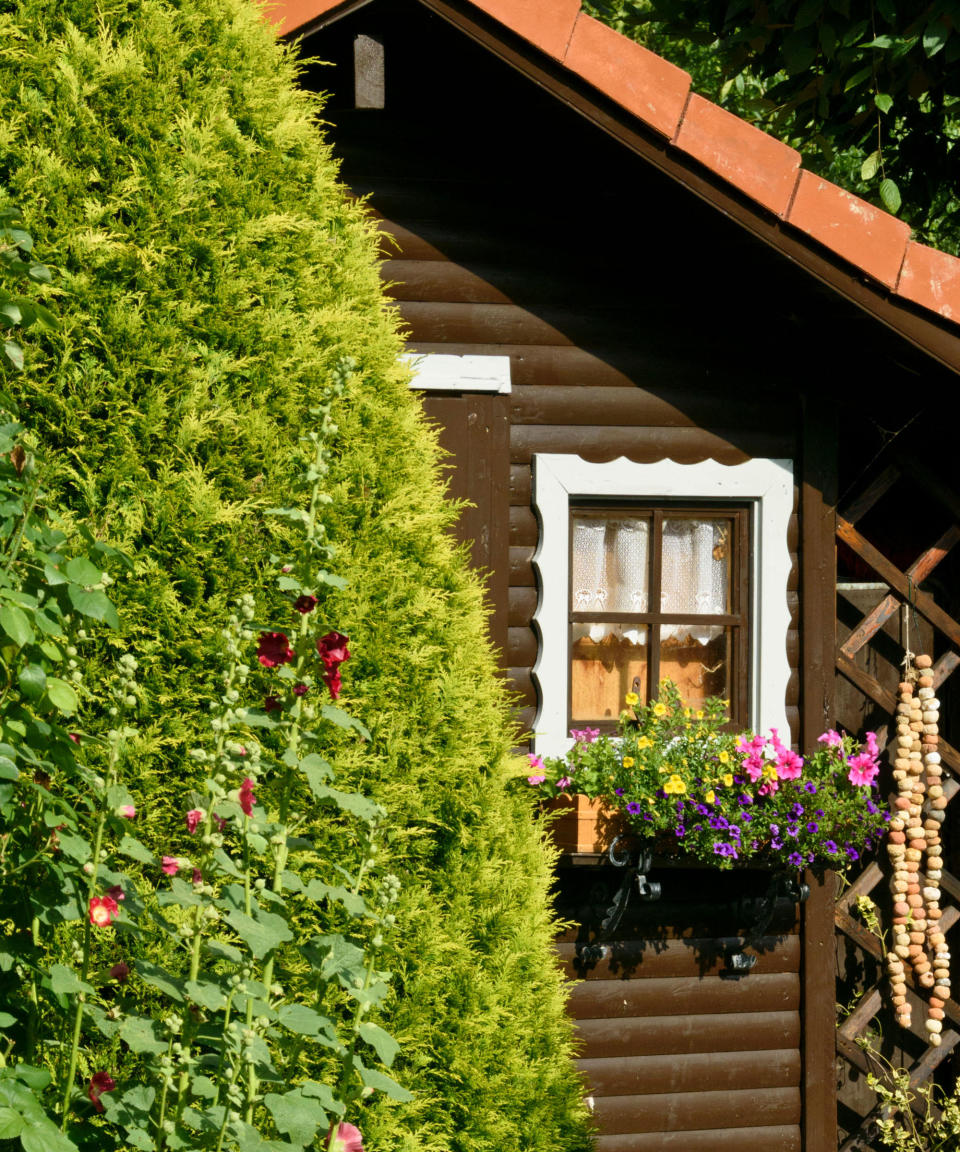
[892, 575]
[878, 487]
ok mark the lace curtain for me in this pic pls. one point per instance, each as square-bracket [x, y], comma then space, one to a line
[611, 574]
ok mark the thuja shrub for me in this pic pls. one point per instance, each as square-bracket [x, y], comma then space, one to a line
[209, 274]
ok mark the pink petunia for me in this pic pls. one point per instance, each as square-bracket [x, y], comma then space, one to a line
[535, 779]
[564, 782]
[832, 739]
[584, 735]
[863, 769]
[194, 818]
[789, 764]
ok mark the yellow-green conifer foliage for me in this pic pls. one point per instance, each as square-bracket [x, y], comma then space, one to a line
[210, 272]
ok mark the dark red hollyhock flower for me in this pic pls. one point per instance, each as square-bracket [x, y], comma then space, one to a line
[120, 972]
[273, 649]
[332, 680]
[300, 689]
[272, 704]
[99, 1083]
[333, 650]
[246, 796]
[305, 603]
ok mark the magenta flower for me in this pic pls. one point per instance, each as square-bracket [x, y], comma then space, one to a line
[99, 1083]
[300, 689]
[103, 911]
[535, 779]
[273, 648]
[332, 649]
[832, 739]
[584, 735]
[564, 782]
[246, 797]
[789, 764]
[170, 865]
[197, 876]
[220, 822]
[305, 603]
[331, 677]
[863, 769]
[127, 811]
[347, 1138]
[115, 892]
[194, 818]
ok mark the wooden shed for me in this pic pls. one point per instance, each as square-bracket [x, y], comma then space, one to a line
[654, 343]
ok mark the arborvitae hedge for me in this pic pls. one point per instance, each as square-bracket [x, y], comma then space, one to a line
[210, 273]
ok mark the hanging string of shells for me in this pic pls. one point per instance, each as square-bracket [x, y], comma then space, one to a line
[914, 847]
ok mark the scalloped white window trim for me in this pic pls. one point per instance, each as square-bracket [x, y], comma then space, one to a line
[767, 485]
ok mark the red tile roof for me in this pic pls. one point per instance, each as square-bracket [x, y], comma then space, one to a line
[755, 163]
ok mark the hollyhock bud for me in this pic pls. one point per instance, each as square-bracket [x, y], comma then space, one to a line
[99, 1083]
[193, 818]
[127, 811]
[120, 972]
[305, 603]
[273, 648]
[115, 892]
[272, 704]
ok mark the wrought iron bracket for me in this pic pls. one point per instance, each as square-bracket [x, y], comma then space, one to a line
[783, 892]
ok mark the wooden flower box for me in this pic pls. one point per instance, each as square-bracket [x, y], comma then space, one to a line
[583, 826]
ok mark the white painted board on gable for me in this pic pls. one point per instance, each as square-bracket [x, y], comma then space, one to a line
[438, 372]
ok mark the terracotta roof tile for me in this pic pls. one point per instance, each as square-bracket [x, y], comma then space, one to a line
[642, 82]
[546, 23]
[758, 164]
[931, 278]
[867, 237]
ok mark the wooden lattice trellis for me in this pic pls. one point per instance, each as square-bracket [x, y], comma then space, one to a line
[904, 589]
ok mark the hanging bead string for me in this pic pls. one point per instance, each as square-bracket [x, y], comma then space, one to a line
[914, 840]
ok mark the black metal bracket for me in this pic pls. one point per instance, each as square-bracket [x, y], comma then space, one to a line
[783, 893]
[636, 863]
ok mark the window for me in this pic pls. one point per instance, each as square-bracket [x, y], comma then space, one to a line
[657, 592]
[649, 571]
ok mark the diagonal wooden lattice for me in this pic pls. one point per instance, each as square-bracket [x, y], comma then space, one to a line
[903, 589]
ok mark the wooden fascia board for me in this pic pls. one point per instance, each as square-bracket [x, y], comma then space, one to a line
[931, 337]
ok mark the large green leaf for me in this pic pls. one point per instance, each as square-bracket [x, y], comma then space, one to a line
[261, 935]
[14, 622]
[94, 604]
[381, 1042]
[296, 1115]
[62, 696]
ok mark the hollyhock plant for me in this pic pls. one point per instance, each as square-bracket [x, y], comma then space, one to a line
[245, 797]
[347, 1138]
[669, 758]
[170, 865]
[273, 649]
[120, 972]
[194, 818]
[305, 603]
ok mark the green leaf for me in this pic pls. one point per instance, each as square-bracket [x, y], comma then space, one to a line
[799, 51]
[206, 994]
[33, 681]
[381, 1042]
[6, 1019]
[132, 848]
[81, 571]
[95, 604]
[223, 950]
[353, 802]
[296, 1115]
[883, 101]
[62, 696]
[262, 935]
[14, 353]
[868, 169]
[8, 770]
[156, 977]
[45, 1137]
[352, 901]
[890, 195]
[289, 584]
[225, 863]
[858, 78]
[33, 1077]
[140, 1035]
[343, 719]
[373, 1079]
[934, 37]
[302, 1020]
[11, 1124]
[14, 622]
[64, 981]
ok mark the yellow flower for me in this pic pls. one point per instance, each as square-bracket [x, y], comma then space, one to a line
[770, 771]
[650, 800]
[628, 761]
[644, 742]
[724, 757]
[711, 797]
[660, 709]
[727, 779]
[699, 713]
[632, 699]
[674, 785]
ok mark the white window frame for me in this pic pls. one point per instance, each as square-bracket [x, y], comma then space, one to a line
[765, 484]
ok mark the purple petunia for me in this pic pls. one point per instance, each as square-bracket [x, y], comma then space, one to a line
[810, 787]
[830, 847]
[796, 859]
[852, 852]
[633, 808]
[679, 831]
[618, 791]
[813, 826]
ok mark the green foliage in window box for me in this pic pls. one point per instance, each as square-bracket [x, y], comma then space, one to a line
[208, 273]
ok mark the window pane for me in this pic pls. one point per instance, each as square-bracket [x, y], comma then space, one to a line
[607, 660]
[610, 563]
[698, 660]
[696, 565]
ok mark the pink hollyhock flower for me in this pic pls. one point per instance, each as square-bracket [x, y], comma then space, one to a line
[789, 764]
[305, 603]
[300, 689]
[584, 735]
[170, 865]
[194, 818]
[120, 972]
[127, 811]
[832, 739]
[103, 911]
[246, 797]
[273, 648]
[863, 769]
[74, 737]
[197, 876]
[220, 822]
[115, 892]
[345, 1139]
[99, 1083]
[272, 704]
